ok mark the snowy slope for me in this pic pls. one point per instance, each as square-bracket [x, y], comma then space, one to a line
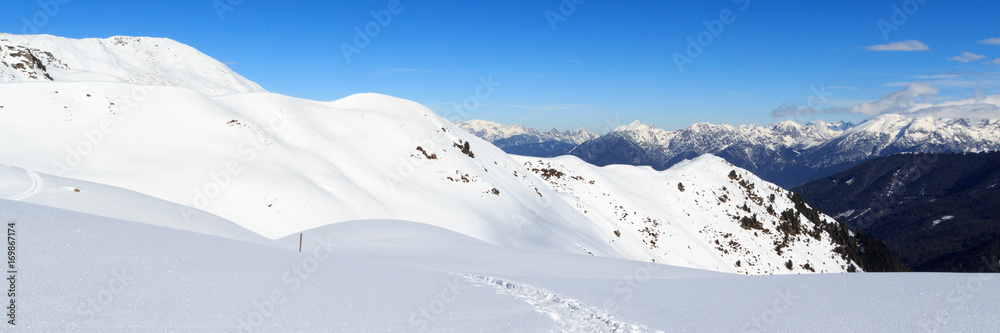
[140, 60]
[27, 186]
[79, 272]
[692, 215]
[277, 165]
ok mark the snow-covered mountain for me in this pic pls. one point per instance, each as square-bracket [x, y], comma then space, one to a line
[278, 165]
[520, 140]
[790, 154]
[785, 153]
[702, 213]
[491, 131]
[895, 133]
[139, 60]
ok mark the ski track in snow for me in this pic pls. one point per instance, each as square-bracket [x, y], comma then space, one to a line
[36, 186]
[570, 314]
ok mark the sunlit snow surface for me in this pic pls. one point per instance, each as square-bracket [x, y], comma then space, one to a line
[100, 274]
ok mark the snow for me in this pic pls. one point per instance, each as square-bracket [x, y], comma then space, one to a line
[139, 60]
[923, 133]
[278, 165]
[699, 227]
[87, 273]
[846, 213]
[942, 219]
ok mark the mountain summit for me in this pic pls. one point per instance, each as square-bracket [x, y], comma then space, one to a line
[137, 60]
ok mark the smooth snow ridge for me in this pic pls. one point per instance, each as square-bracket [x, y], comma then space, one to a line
[139, 60]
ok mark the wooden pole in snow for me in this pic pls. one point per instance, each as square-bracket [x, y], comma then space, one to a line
[300, 242]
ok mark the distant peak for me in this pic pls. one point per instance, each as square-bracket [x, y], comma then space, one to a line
[788, 123]
[635, 125]
[704, 126]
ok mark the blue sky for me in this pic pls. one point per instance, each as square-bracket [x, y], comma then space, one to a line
[605, 64]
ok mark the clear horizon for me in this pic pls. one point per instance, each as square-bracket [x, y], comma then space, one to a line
[570, 64]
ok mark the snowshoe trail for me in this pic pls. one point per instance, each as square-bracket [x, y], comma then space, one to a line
[570, 314]
[36, 186]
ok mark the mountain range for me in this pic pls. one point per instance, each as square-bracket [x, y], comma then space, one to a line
[520, 140]
[787, 153]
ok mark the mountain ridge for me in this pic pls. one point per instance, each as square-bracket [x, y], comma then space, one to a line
[139, 60]
[787, 153]
[521, 140]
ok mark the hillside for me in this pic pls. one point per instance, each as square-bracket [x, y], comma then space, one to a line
[937, 212]
[710, 214]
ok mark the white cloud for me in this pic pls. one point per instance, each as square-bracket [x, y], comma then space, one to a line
[957, 83]
[967, 57]
[994, 61]
[902, 101]
[979, 107]
[898, 102]
[909, 45]
[935, 77]
[991, 41]
[966, 111]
